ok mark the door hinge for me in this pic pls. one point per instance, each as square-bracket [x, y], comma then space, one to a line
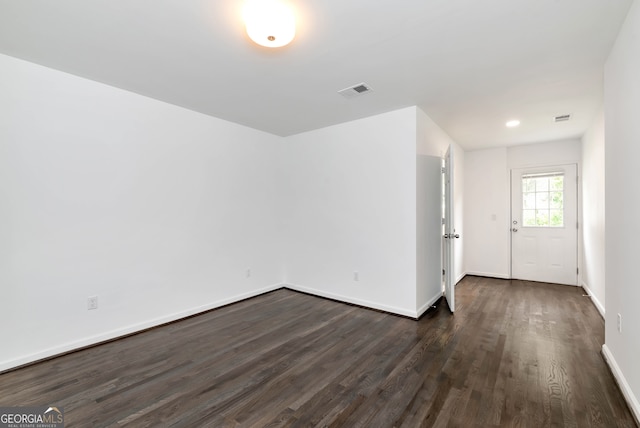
[444, 221]
[577, 225]
[444, 170]
[577, 271]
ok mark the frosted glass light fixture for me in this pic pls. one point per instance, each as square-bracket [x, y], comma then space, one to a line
[269, 23]
[513, 123]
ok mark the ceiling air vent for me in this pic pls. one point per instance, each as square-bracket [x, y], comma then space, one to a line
[356, 90]
[562, 118]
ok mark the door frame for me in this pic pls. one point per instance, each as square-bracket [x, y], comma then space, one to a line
[543, 166]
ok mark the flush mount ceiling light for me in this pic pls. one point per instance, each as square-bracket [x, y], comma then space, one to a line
[512, 123]
[269, 23]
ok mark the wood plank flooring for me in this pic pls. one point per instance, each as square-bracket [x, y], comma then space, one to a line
[515, 354]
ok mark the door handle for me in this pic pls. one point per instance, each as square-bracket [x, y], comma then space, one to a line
[450, 236]
[455, 236]
[514, 230]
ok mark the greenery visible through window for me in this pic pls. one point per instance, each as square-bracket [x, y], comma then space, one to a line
[542, 200]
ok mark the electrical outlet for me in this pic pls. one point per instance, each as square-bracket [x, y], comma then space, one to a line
[249, 273]
[619, 323]
[92, 302]
[356, 275]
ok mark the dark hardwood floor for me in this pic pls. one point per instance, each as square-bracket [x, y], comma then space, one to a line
[514, 354]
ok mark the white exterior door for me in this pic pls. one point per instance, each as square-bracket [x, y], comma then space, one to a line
[449, 235]
[544, 224]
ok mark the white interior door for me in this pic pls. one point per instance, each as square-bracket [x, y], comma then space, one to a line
[544, 224]
[449, 233]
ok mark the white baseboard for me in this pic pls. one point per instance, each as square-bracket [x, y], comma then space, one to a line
[489, 275]
[114, 334]
[461, 277]
[424, 308]
[599, 306]
[352, 300]
[632, 401]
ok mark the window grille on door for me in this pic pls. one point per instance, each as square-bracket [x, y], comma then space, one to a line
[542, 200]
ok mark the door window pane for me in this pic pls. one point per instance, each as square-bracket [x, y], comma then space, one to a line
[543, 200]
[556, 219]
[529, 217]
[542, 218]
[557, 183]
[556, 200]
[542, 184]
[529, 201]
[528, 185]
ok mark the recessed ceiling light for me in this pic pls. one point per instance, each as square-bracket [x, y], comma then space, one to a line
[513, 123]
[269, 23]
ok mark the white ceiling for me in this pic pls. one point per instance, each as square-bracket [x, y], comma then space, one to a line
[471, 65]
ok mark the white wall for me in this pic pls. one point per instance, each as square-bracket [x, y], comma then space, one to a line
[548, 153]
[431, 139]
[487, 213]
[622, 153]
[160, 211]
[428, 231]
[155, 209]
[352, 191]
[488, 197]
[592, 271]
[358, 203]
